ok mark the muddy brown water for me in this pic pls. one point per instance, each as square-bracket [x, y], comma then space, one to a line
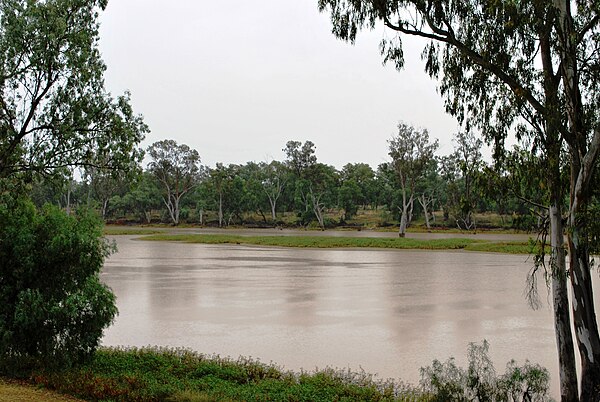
[388, 312]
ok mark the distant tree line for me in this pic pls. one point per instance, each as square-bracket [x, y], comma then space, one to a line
[301, 191]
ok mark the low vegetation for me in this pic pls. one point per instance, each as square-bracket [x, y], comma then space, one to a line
[180, 375]
[136, 230]
[154, 374]
[351, 242]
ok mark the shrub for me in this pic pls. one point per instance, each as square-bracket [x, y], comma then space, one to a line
[448, 382]
[53, 307]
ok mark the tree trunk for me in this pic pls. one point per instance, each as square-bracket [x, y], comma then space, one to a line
[68, 209]
[318, 211]
[176, 212]
[584, 315]
[424, 203]
[562, 320]
[104, 208]
[411, 204]
[273, 209]
[404, 216]
[220, 209]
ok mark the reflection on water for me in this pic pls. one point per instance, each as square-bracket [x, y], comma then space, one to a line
[389, 312]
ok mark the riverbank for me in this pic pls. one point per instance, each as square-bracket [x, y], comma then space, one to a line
[155, 374]
[516, 247]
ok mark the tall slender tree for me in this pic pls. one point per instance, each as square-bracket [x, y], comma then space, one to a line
[411, 153]
[177, 169]
[532, 67]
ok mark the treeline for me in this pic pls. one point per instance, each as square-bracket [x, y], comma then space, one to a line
[300, 191]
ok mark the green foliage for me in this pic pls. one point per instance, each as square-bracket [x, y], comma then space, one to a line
[55, 110]
[53, 307]
[177, 171]
[479, 382]
[153, 374]
[321, 241]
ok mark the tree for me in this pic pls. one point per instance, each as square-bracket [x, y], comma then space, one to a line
[318, 189]
[53, 307]
[300, 156]
[467, 154]
[176, 167]
[349, 198]
[529, 67]
[364, 176]
[428, 191]
[143, 197]
[54, 110]
[314, 180]
[411, 153]
[274, 179]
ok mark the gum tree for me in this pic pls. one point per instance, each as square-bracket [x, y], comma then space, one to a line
[55, 115]
[411, 154]
[54, 110]
[177, 169]
[531, 67]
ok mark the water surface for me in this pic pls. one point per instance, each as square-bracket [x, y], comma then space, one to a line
[388, 312]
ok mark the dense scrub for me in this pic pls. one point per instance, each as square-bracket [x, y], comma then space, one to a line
[179, 375]
[53, 307]
[153, 374]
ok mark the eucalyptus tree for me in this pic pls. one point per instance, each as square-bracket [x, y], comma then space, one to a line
[177, 169]
[55, 115]
[300, 156]
[364, 176]
[54, 110]
[428, 191]
[275, 177]
[314, 182]
[143, 196]
[467, 154]
[349, 197]
[528, 66]
[411, 153]
[217, 178]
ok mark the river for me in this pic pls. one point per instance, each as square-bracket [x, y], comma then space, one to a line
[388, 312]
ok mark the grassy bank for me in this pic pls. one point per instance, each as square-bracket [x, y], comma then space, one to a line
[20, 391]
[134, 230]
[153, 374]
[350, 242]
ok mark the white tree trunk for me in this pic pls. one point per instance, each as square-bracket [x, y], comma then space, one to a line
[562, 320]
[220, 209]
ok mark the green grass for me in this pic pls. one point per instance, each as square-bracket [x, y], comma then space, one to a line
[318, 241]
[136, 230]
[155, 374]
[350, 242]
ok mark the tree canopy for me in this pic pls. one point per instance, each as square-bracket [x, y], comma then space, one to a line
[530, 68]
[54, 110]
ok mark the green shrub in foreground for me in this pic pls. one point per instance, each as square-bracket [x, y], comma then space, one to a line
[53, 307]
[479, 382]
[154, 374]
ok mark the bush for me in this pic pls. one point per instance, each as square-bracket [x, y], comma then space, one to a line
[53, 307]
[448, 382]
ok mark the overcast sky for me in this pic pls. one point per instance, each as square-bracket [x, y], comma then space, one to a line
[237, 79]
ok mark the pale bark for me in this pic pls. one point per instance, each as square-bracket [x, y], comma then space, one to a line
[583, 159]
[406, 203]
[425, 202]
[220, 209]
[318, 208]
[562, 320]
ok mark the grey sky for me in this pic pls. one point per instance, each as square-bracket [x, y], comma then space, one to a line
[237, 79]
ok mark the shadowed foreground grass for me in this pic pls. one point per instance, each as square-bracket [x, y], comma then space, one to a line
[350, 242]
[11, 391]
[157, 374]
